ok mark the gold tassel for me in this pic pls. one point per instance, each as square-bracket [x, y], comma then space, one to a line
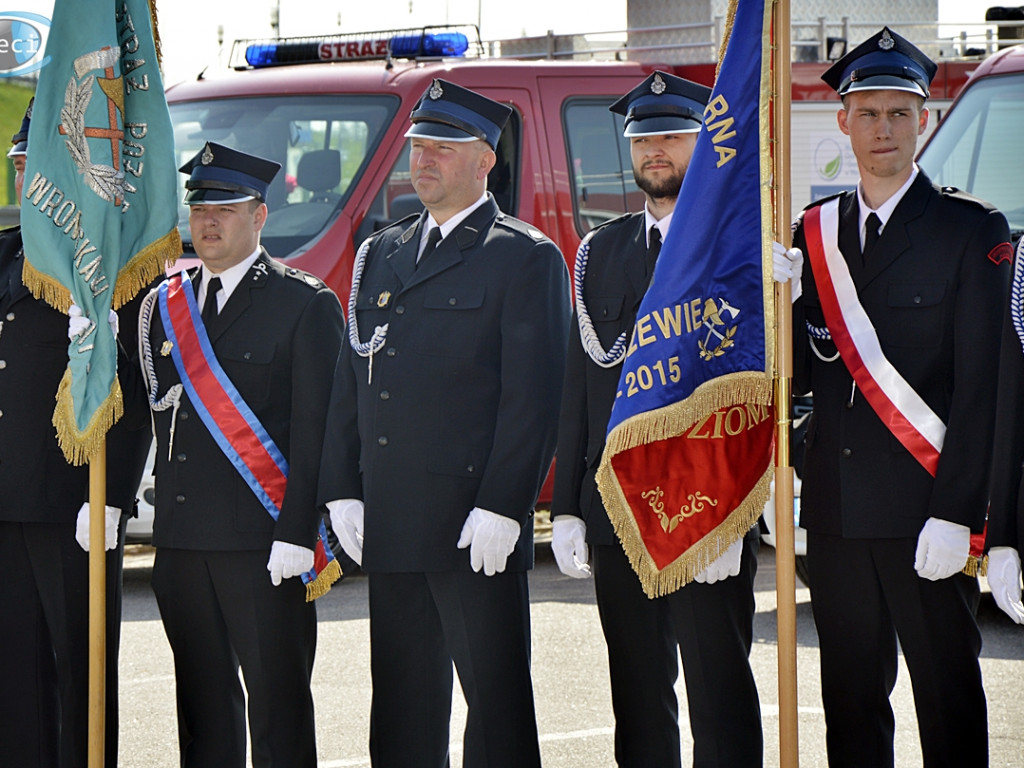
[147, 265]
[79, 445]
[321, 585]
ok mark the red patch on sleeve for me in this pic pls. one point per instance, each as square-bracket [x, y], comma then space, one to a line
[1002, 252]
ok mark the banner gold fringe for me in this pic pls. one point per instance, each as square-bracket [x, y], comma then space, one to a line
[321, 585]
[46, 288]
[80, 445]
[147, 265]
[668, 422]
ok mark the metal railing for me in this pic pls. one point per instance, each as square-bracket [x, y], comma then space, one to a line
[812, 40]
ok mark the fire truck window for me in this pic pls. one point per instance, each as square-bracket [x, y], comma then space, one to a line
[601, 173]
[978, 148]
[322, 143]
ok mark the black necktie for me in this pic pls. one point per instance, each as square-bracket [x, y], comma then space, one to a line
[873, 224]
[210, 305]
[433, 238]
[653, 249]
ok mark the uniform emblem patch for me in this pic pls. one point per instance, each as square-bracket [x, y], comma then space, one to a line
[1002, 252]
[165, 348]
[383, 299]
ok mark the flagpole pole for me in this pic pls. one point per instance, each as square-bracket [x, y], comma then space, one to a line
[97, 604]
[785, 556]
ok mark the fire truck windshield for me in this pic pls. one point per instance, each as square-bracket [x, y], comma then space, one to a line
[323, 144]
[978, 147]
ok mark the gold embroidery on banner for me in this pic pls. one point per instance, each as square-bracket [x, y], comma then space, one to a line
[698, 503]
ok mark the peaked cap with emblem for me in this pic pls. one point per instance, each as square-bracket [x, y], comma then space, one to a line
[219, 174]
[20, 139]
[449, 112]
[661, 104]
[883, 62]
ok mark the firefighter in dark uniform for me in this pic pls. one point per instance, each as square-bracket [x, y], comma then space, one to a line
[441, 430]
[44, 605]
[275, 331]
[709, 623]
[1006, 513]
[897, 335]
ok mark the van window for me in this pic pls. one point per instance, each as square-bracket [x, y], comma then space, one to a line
[978, 146]
[602, 172]
[397, 199]
[322, 143]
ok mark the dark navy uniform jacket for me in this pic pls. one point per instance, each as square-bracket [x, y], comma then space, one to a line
[614, 285]
[458, 408]
[934, 289]
[277, 339]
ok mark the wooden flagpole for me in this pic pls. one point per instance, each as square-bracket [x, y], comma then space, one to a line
[785, 558]
[97, 605]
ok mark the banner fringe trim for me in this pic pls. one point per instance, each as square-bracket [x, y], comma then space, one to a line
[80, 445]
[147, 265]
[46, 288]
[323, 582]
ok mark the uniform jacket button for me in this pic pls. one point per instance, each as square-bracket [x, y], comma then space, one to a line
[10, 316]
[3, 364]
[180, 498]
[847, 452]
[382, 440]
[385, 395]
[400, 309]
[391, 352]
[180, 457]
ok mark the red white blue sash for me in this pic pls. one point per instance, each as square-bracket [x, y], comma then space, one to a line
[232, 423]
[897, 404]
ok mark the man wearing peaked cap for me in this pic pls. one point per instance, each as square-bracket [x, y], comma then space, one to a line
[440, 434]
[19, 151]
[707, 623]
[44, 564]
[231, 550]
[897, 334]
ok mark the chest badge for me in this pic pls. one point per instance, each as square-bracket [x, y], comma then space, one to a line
[383, 299]
[165, 348]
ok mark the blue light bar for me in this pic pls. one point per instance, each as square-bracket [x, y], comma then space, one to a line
[429, 42]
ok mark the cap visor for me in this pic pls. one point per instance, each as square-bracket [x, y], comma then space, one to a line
[219, 196]
[659, 126]
[886, 83]
[438, 132]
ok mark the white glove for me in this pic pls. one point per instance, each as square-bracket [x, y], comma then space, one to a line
[942, 549]
[491, 538]
[569, 546]
[788, 266]
[722, 567]
[78, 323]
[113, 517]
[288, 560]
[1004, 580]
[347, 522]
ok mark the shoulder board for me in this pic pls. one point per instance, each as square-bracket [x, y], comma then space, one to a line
[824, 200]
[521, 227]
[305, 278]
[624, 218]
[953, 193]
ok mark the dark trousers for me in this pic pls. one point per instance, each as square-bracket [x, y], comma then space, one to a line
[220, 611]
[865, 594]
[44, 646]
[419, 624]
[710, 626]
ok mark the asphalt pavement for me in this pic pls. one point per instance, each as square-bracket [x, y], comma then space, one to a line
[570, 677]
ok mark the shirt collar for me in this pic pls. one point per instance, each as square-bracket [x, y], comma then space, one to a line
[884, 211]
[662, 224]
[452, 223]
[229, 278]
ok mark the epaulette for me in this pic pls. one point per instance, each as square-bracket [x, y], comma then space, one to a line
[622, 218]
[954, 193]
[305, 278]
[823, 200]
[521, 227]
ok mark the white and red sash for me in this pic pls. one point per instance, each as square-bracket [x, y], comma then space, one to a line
[230, 421]
[897, 404]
